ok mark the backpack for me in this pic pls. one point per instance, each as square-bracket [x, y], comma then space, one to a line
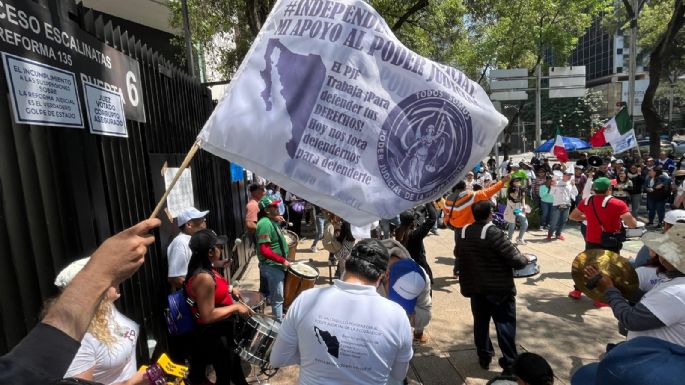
[329, 241]
[179, 316]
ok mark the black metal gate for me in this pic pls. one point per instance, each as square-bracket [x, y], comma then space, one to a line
[63, 190]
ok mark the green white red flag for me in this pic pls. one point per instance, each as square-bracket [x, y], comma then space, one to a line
[559, 150]
[618, 132]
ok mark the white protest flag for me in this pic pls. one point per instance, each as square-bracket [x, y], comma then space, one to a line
[331, 106]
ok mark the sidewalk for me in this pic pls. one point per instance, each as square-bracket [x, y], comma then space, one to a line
[568, 333]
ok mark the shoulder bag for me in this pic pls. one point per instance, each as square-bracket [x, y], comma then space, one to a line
[609, 240]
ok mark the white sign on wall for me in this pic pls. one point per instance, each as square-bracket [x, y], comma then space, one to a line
[181, 197]
[41, 94]
[105, 111]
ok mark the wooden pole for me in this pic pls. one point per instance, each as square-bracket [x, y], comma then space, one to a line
[184, 165]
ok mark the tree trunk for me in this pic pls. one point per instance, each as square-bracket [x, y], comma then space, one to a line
[658, 61]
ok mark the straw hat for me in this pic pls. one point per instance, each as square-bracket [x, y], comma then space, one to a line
[669, 245]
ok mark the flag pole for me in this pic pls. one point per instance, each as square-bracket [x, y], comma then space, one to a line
[184, 165]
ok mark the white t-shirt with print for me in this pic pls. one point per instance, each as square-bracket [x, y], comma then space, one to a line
[667, 302]
[111, 365]
[647, 277]
[343, 334]
[179, 254]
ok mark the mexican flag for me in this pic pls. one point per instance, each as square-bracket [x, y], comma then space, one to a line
[559, 150]
[618, 132]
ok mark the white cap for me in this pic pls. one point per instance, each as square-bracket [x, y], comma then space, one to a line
[672, 217]
[68, 273]
[189, 214]
[410, 285]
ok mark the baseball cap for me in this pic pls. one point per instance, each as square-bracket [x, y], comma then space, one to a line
[619, 161]
[188, 214]
[406, 283]
[68, 273]
[204, 240]
[266, 202]
[639, 361]
[672, 217]
[601, 184]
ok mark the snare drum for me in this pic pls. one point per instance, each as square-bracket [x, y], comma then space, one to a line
[257, 339]
[299, 278]
[530, 269]
[636, 232]
[254, 300]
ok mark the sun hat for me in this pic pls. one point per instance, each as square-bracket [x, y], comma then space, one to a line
[669, 245]
[68, 273]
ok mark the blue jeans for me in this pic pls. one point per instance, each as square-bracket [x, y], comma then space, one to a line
[319, 222]
[635, 200]
[275, 277]
[502, 310]
[546, 207]
[558, 218]
[523, 226]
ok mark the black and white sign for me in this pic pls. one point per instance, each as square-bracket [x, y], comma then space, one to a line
[42, 94]
[105, 111]
[29, 30]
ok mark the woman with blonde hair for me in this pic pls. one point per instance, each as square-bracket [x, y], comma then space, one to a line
[108, 350]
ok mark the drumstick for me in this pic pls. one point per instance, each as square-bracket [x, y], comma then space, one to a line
[240, 299]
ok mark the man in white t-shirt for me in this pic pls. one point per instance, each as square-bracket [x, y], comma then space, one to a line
[347, 333]
[659, 313]
[190, 221]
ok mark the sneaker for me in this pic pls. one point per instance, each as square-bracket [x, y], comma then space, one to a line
[313, 249]
[522, 242]
[561, 237]
[575, 294]
[600, 304]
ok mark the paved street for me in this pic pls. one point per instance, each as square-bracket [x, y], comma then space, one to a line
[566, 332]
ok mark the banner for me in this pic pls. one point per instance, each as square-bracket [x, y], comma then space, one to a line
[331, 106]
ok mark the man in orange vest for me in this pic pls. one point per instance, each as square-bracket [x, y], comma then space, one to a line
[458, 209]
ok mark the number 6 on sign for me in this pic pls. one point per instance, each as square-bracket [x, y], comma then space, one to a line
[131, 88]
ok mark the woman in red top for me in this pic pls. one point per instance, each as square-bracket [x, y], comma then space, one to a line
[214, 308]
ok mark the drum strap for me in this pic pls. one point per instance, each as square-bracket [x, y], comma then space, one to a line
[280, 242]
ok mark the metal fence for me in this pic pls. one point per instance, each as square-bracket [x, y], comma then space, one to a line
[63, 190]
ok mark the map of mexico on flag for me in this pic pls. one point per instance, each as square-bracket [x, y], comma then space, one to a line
[331, 106]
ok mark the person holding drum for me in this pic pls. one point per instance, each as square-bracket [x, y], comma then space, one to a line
[272, 251]
[213, 307]
[347, 333]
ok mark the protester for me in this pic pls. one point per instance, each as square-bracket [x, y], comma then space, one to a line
[580, 180]
[469, 181]
[623, 187]
[657, 185]
[458, 209]
[640, 361]
[583, 161]
[666, 163]
[213, 308]
[564, 193]
[658, 313]
[515, 213]
[319, 323]
[486, 260]
[108, 350]
[604, 214]
[408, 285]
[540, 178]
[546, 201]
[671, 218]
[44, 355]
[679, 187]
[272, 252]
[411, 235]
[256, 191]
[189, 221]
[386, 231]
[636, 179]
[343, 235]
[296, 207]
[274, 192]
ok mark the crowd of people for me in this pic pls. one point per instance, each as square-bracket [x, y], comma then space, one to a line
[362, 328]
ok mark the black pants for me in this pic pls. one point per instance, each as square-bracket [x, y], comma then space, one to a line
[502, 310]
[214, 344]
[457, 232]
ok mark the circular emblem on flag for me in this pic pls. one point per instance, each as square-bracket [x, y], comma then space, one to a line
[424, 145]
